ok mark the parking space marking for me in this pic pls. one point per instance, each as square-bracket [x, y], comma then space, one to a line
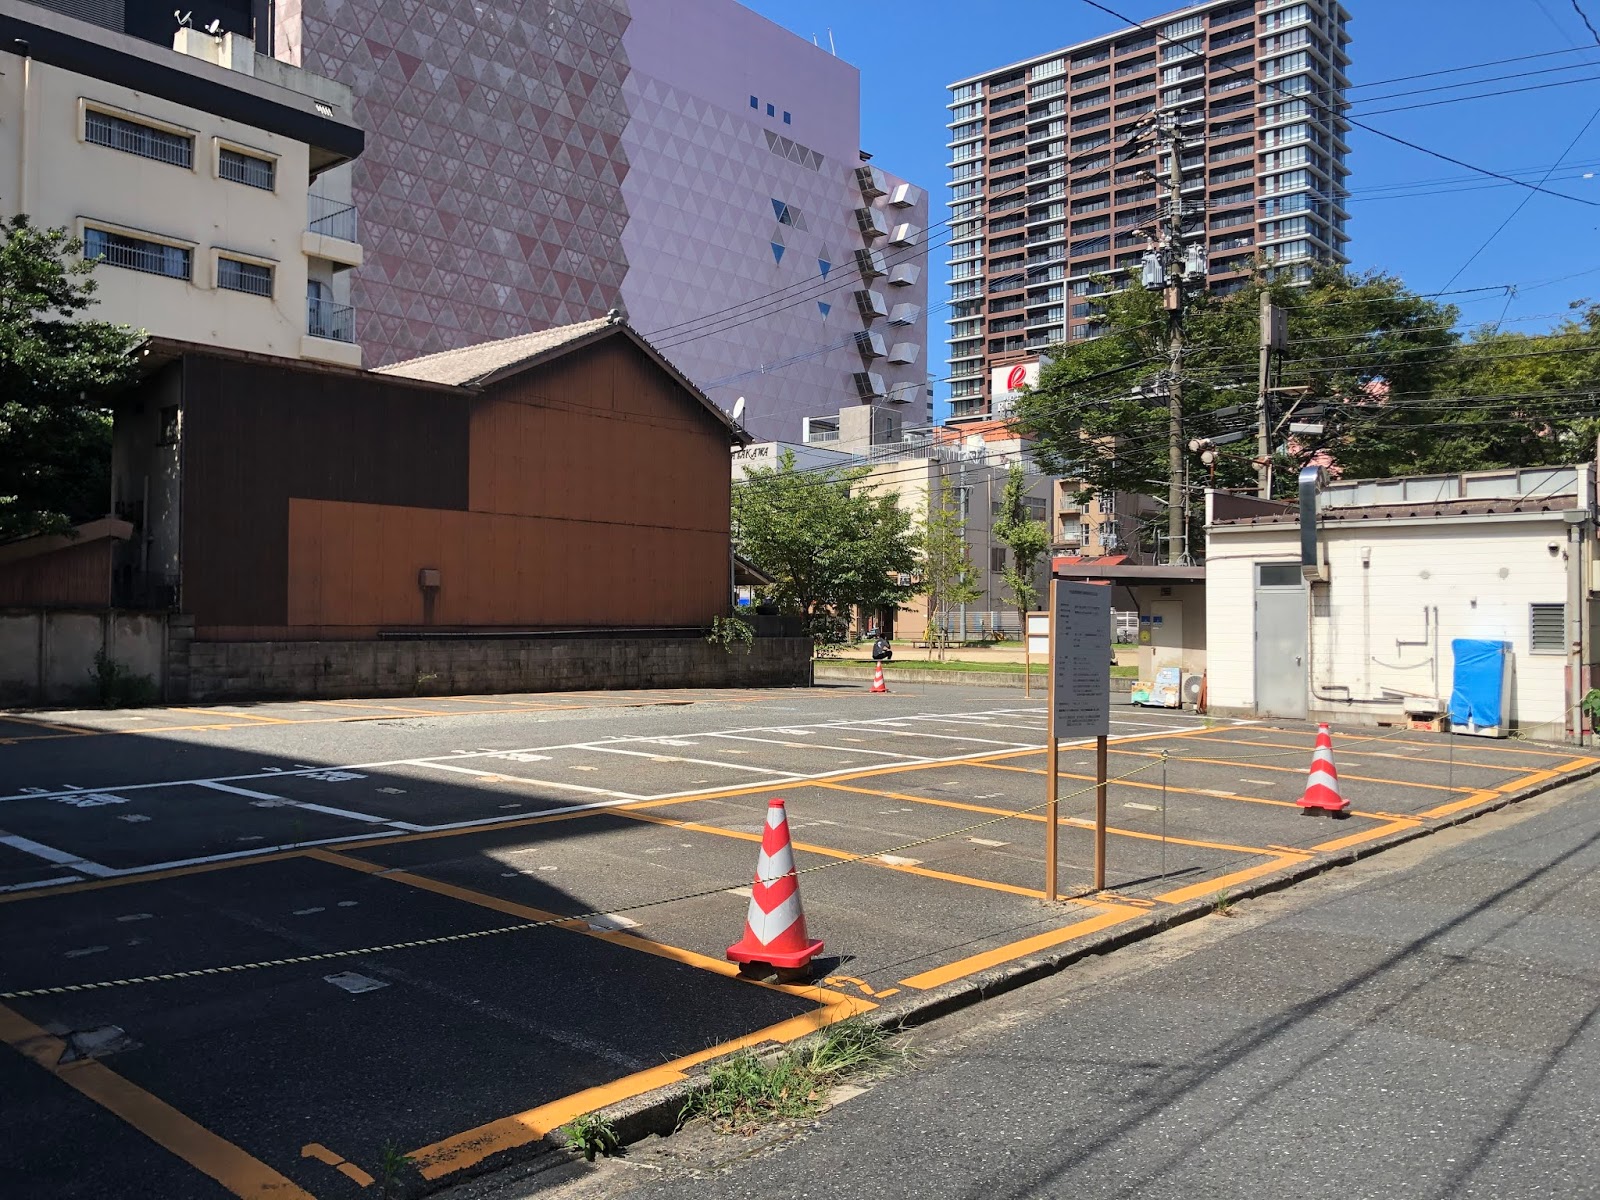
[235, 1170]
[776, 776]
[1341, 752]
[869, 860]
[1277, 861]
[480, 773]
[50, 854]
[744, 737]
[325, 810]
[1343, 775]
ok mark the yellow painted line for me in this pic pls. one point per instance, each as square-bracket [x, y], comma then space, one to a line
[95, 885]
[1208, 887]
[1577, 764]
[1076, 822]
[399, 708]
[30, 723]
[1021, 949]
[222, 712]
[1366, 835]
[511, 908]
[830, 852]
[1479, 745]
[203, 1150]
[1261, 766]
[1153, 787]
[475, 1145]
[1342, 753]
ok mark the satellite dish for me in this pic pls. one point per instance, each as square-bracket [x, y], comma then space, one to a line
[738, 409]
[215, 28]
[185, 19]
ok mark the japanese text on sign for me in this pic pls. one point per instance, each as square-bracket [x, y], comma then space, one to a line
[1081, 679]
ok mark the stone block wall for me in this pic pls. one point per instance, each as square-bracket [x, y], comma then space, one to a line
[464, 666]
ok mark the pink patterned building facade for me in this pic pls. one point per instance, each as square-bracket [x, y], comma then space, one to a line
[691, 163]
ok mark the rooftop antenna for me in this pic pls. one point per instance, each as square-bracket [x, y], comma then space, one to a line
[831, 48]
[185, 19]
[215, 28]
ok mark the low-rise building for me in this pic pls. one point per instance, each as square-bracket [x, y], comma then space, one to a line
[1348, 607]
[206, 179]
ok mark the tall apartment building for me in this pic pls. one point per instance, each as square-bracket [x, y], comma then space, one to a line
[691, 163]
[1048, 196]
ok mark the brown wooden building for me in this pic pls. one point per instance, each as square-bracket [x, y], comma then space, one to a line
[569, 479]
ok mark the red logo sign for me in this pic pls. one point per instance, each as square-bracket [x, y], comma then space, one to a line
[1017, 378]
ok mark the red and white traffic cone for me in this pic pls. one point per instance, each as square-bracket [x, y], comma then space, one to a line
[775, 925]
[878, 685]
[1322, 782]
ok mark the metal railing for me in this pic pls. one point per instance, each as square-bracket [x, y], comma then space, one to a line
[332, 218]
[102, 129]
[135, 254]
[325, 319]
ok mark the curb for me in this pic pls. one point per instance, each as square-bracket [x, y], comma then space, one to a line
[839, 673]
[657, 1112]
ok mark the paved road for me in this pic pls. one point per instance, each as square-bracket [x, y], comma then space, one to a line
[1423, 1024]
[475, 917]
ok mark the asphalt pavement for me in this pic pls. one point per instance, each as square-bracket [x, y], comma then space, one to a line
[268, 948]
[1422, 1024]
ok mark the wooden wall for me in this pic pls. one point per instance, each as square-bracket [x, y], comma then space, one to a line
[592, 491]
[73, 576]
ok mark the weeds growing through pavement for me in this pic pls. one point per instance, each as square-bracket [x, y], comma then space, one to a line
[591, 1135]
[746, 1091]
[1222, 905]
[391, 1166]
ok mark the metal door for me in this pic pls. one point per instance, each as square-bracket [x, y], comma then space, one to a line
[1280, 642]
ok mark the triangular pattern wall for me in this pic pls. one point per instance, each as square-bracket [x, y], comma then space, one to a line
[490, 190]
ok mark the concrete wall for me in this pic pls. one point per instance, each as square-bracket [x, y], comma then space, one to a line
[1369, 631]
[258, 670]
[47, 656]
[50, 171]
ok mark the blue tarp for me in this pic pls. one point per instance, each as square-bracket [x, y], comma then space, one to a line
[1479, 682]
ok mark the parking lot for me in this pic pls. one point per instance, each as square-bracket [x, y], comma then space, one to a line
[443, 927]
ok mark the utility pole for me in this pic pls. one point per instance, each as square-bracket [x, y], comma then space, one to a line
[1172, 261]
[1274, 338]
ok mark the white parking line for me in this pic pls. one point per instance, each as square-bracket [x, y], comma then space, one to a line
[478, 773]
[784, 776]
[325, 810]
[744, 737]
[51, 854]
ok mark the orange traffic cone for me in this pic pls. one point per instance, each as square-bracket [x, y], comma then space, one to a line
[878, 685]
[775, 926]
[1322, 782]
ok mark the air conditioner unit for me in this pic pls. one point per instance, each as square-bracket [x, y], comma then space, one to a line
[868, 384]
[871, 304]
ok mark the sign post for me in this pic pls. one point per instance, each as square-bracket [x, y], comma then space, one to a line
[1080, 706]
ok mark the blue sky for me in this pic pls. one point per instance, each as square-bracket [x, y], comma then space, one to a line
[1424, 233]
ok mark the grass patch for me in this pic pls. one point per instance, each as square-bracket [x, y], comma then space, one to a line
[746, 1092]
[590, 1135]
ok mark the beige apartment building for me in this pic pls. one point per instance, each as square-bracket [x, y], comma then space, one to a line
[205, 178]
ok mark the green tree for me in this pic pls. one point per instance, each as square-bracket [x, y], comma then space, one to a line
[1027, 539]
[55, 437]
[1510, 400]
[948, 576]
[829, 545]
[1099, 411]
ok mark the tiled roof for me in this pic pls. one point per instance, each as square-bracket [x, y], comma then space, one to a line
[472, 364]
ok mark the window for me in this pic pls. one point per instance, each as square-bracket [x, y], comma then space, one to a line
[997, 559]
[754, 103]
[137, 254]
[169, 426]
[786, 119]
[103, 129]
[1547, 628]
[248, 169]
[772, 110]
[1277, 575]
[234, 275]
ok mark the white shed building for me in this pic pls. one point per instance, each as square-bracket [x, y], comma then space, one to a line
[1356, 622]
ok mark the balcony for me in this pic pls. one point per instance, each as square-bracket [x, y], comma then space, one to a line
[330, 333]
[332, 232]
[872, 182]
